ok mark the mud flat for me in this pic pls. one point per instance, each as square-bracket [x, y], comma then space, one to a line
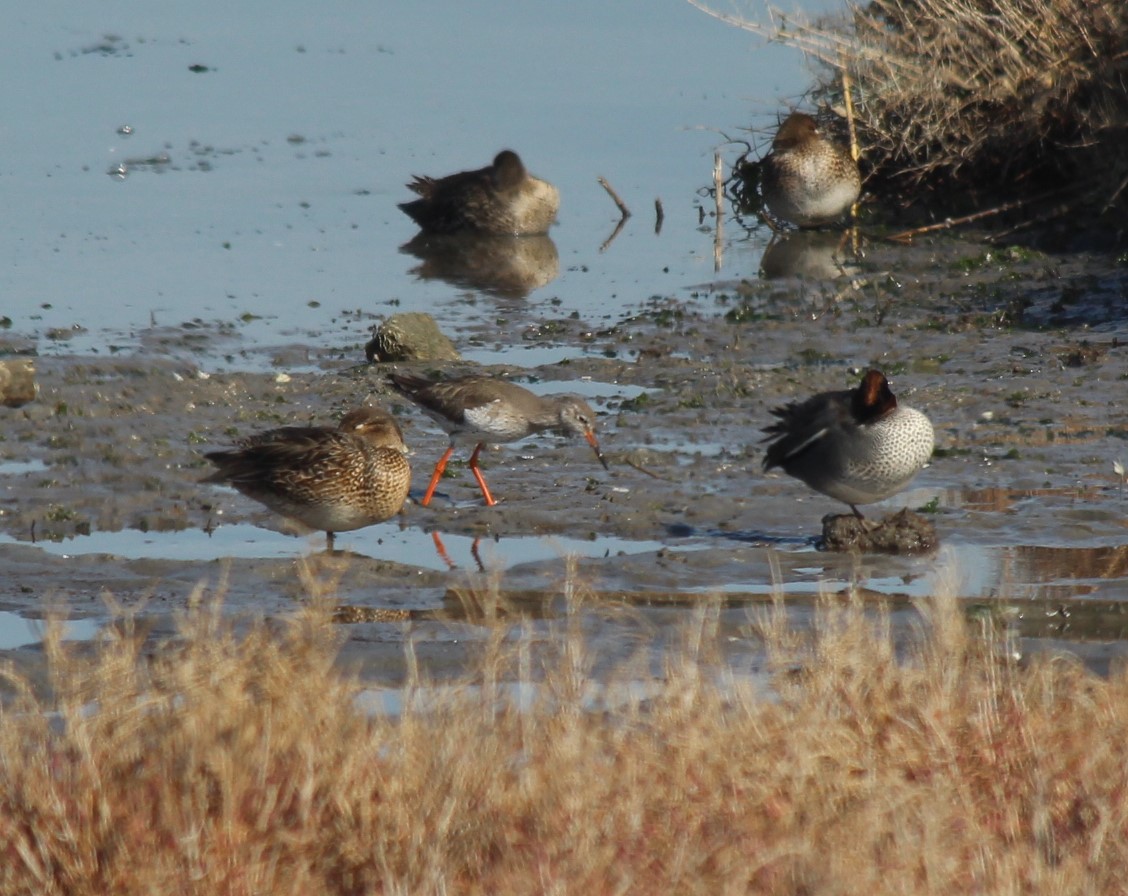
[1018, 358]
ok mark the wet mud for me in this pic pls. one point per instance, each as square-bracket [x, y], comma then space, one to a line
[1018, 358]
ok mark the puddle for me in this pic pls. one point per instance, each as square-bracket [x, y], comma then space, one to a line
[996, 499]
[526, 356]
[17, 631]
[1033, 572]
[1013, 573]
[380, 701]
[17, 467]
[409, 546]
[592, 390]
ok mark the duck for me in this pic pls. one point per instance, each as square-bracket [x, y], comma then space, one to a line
[333, 479]
[856, 445]
[502, 198]
[808, 179]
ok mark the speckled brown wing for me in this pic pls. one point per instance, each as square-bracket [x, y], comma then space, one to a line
[254, 455]
[259, 458]
[324, 478]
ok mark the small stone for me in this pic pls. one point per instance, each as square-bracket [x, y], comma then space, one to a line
[17, 382]
[411, 336]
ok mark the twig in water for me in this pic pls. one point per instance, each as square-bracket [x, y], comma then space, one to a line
[623, 210]
[719, 199]
[659, 215]
[855, 153]
[1115, 195]
[614, 233]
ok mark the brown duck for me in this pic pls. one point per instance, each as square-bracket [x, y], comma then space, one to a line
[808, 179]
[502, 198]
[335, 480]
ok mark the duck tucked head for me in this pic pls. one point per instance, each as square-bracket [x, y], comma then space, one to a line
[376, 426]
[797, 129]
[508, 170]
[873, 398]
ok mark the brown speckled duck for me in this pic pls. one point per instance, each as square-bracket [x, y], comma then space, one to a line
[808, 179]
[335, 480]
[500, 199]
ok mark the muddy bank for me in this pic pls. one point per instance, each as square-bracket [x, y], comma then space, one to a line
[1019, 360]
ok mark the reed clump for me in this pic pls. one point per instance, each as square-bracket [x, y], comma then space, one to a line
[225, 763]
[961, 103]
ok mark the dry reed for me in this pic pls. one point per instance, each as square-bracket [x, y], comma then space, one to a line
[226, 763]
[960, 103]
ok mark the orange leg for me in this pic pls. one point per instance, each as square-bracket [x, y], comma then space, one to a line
[490, 502]
[436, 476]
[440, 548]
[476, 555]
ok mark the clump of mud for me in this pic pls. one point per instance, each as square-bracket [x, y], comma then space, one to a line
[18, 385]
[410, 336]
[903, 532]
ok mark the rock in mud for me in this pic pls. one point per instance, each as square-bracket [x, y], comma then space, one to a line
[411, 336]
[17, 382]
[903, 532]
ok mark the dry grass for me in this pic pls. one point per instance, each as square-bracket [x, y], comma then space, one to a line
[962, 101]
[227, 764]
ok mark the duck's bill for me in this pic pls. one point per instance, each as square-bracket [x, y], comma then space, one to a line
[594, 442]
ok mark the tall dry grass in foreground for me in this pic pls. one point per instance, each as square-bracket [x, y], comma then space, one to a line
[240, 765]
[961, 102]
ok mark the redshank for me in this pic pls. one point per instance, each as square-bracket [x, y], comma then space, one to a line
[857, 445]
[480, 409]
[502, 198]
[808, 179]
[330, 479]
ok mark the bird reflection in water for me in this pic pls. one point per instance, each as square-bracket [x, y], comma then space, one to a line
[508, 267]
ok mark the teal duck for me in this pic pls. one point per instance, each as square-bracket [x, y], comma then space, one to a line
[857, 446]
[808, 179]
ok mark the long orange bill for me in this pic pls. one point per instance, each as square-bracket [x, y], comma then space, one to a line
[594, 442]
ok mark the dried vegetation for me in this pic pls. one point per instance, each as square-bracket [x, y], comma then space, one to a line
[959, 104]
[239, 763]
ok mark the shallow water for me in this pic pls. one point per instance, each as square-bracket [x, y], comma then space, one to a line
[275, 213]
[200, 254]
